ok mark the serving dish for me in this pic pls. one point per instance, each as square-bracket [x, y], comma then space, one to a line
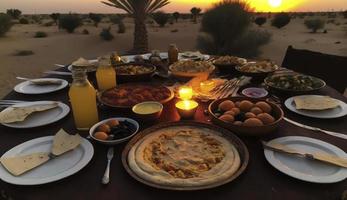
[97, 127]
[125, 96]
[234, 140]
[243, 129]
[257, 69]
[294, 83]
[227, 64]
[190, 69]
[27, 87]
[134, 72]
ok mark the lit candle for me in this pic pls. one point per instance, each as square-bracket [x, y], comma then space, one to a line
[185, 92]
[187, 108]
[207, 86]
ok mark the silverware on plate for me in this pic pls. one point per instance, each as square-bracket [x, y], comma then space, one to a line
[323, 157]
[335, 134]
[106, 177]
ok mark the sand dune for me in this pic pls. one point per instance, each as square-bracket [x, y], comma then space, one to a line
[61, 47]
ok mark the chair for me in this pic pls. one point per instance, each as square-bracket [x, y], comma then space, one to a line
[330, 68]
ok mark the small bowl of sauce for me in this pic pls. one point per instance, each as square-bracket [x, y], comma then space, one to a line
[149, 110]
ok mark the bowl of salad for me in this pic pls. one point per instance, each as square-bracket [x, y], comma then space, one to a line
[294, 83]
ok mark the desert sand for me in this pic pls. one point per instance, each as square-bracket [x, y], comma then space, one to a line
[62, 48]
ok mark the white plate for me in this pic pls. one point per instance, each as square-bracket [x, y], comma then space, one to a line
[339, 111]
[41, 118]
[27, 88]
[95, 62]
[56, 169]
[303, 168]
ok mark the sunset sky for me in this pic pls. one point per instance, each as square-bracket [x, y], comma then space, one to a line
[86, 6]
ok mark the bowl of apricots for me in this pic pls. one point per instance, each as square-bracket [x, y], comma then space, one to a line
[114, 130]
[246, 116]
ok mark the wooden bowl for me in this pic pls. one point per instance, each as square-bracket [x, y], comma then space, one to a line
[257, 76]
[228, 68]
[124, 78]
[277, 113]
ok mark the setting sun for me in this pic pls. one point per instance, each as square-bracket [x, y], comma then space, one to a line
[275, 3]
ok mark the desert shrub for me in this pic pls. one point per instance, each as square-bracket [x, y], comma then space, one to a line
[5, 24]
[85, 32]
[260, 21]
[344, 13]
[23, 21]
[40, 34]
[55, 17]
[174, 31]
[70, 22]
[116, 19]
[14, 13]
[280, 20]
[96, 18]
[176, 15]
[121, 27]
[106, 34]
[330, 21]
[332, 15]
[36, 19]
[160, 18]
[23, 53]
[225, 31]
[50, 23]
[314, 24]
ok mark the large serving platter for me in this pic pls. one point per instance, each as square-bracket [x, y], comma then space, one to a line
[339, 111]
[56, 169]
[42, 118]
[27, 88]
[303, 168]
[134, 85]
[234, 140]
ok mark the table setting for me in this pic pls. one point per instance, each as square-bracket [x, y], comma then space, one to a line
[154, 125]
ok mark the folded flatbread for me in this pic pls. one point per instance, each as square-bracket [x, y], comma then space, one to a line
[62, 143]
[19, 114]
[20, 164]
[313, 102]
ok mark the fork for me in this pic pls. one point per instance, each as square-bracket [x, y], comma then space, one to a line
[106, 177]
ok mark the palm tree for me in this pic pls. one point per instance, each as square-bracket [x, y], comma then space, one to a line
[195, 12]
[139, 9]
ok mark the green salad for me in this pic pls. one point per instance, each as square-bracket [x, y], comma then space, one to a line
[296, 82]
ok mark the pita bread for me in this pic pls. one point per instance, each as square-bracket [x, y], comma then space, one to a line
[20, 164]
[19, 114]
[64, 142]
[315, 102]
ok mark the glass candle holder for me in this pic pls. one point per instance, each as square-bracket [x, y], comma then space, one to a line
[185, 92]
[207, 86]
[187, 108]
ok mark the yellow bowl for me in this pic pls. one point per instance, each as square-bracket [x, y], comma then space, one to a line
[149, 110]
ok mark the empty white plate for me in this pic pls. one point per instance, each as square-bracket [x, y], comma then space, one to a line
[55, 169]
[303, 168]
[43, 118]
[339, 111]
[28, 88]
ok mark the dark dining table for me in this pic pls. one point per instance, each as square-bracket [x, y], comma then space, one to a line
[259, 181]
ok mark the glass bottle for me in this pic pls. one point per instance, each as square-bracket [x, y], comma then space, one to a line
[105, 74]
[173, 54]
[83, 100]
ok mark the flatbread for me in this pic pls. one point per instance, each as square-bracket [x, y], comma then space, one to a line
[19, 114]
[20, 164]
[313, 102]
[64, 142]
[186, 156]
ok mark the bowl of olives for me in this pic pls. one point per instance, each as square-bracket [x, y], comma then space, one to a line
[114, 130]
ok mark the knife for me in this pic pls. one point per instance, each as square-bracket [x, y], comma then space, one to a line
[335, 134]
[323, 157]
